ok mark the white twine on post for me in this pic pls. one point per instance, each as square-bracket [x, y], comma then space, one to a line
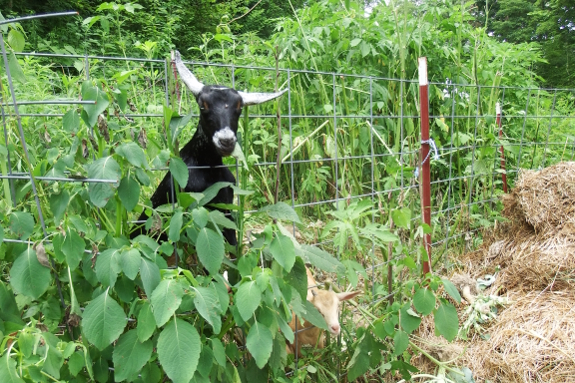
[435, 156]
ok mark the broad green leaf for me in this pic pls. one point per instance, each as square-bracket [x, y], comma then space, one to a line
[408, 319]
[92, 111]
[424, 301]
[211, 250]
[105, 168]
[354, 42]
[76, 363]
[133, 153]
[130, 355]
[359, 362]
[146, 322]
[281, 211]
[207, 303]
[150, 275]
[165, 300]
[103, 321]
[71, 121]
[313, 316]
[129, 192]
[176, 226]
[180, 171]
[179, 349]
[402, 217]
[260, 343]
[16, 40]
[178, 123]
[8, 370]
[59, 204]
[283, 251]
[297, 278]
[201, 217]
[446, 321]
[321, 259]
[73, 248]
[1, 234]
[28, 276]
[248, 298]
[22, 224]
[212, 191]
[129, 262]
[107, 267]
[219, 351]
[9, 312]
[120, 77]
[15, 69]
[54, 360]
[451, 289]
[400, 342]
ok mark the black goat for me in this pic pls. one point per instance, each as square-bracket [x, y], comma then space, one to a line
[215, 137]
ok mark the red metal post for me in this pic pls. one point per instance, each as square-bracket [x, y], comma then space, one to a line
[424, 158]
[498, 120]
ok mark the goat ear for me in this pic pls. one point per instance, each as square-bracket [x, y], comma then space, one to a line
[187, 77]
[259, 98]
[348, 295]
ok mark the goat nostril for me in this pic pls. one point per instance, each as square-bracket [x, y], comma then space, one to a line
[335, 329]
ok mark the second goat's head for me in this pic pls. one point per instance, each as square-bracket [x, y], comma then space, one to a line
[220, 108]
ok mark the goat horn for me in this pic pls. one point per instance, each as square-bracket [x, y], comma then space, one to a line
[258, 98]
[187, 77]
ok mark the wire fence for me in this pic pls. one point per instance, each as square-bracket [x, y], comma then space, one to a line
[344, 139]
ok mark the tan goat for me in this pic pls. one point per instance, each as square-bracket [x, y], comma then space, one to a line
[327, 303]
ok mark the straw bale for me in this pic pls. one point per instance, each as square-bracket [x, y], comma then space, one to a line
[531, 341]
[547, 197]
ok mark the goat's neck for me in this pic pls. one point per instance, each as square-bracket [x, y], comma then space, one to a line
[200, 150]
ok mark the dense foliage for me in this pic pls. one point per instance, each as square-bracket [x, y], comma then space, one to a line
[79, 297]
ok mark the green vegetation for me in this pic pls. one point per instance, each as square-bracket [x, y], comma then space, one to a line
[131, 305]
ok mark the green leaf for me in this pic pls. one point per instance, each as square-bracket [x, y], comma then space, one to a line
[400, 342]
[8, 370]
[150, 275]
[146, 322]
[165, 300]
[219, 351]
[211, 250]
[260, 343]
[129, 262]
[424, 301]
[133, 153]
[201, 217]
[248, 298]
[73, 248]
[281, 211]
[176, 226]
[92, 111]
[130, 355]
[71, 121]
[446, 321]
[313, 316]
[105, 168]
[180, 171]
[355, 42]
[451, 290]
[321, 259]
[59, 204]
[179, 349]
[22, 224]
[9, 312]
[76, 363]
[208, 305]
[16, 40]
[1, 234]
[408, 319]
[107, 267]
[28, 276]
[129, 192]
[402, 217]
[15, 69]
[54, 360]
[283, 251]
[103, 321]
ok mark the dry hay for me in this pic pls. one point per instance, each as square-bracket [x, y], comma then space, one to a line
[547, 198]
[532, 341]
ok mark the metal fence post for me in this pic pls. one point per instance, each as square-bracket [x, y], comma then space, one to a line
[424, 157]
